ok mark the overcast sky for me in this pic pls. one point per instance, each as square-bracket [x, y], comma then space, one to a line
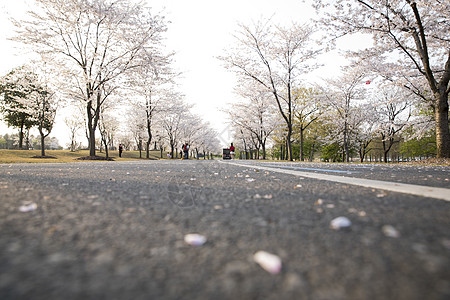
[199, 32]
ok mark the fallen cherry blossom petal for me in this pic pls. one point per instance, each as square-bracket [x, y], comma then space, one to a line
[390, 231]
[258, 196]
[340, 222]
[28, 206]
[195, 239]
[269, 262]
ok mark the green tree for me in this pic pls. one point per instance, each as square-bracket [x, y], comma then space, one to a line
[13, 111]
[419, 147]
[3, 143]
[306, 111]
[25, 95]
[331, 152]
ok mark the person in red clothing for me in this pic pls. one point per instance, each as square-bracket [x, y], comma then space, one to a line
[232, 151]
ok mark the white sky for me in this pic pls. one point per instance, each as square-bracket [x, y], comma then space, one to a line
[199, 32]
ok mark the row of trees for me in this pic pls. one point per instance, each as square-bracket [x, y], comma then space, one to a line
[11, 141]
[409, 61]
[107, 59]
[343, 118]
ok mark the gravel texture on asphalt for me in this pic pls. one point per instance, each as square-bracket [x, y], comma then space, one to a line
[115, 230]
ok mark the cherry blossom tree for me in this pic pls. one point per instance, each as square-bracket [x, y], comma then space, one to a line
[207, 142]
[256, 113]
[13, 111]
[151, 84]
[411, 47]
[241, 139]
[174, 120]
[394, 108]
[366, 126]
[43, 105]
[31, 96]
[107, 127]
[136, 124]
[274, 57]
[191, 131]
[95, 41]
[74, 124]
[340, 95]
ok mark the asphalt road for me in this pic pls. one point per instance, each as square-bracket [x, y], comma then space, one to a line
[115, 230]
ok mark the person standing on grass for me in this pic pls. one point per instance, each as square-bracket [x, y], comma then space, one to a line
[120, 150]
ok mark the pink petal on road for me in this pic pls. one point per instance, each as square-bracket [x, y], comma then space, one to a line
[28, 206]
[195, 239]
[340, 222]
[269, 262]
[390, 231]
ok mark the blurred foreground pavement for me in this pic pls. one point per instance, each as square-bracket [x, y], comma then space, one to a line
[115, 230]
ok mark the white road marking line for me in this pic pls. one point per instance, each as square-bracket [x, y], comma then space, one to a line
[417, 190]
[315, 169]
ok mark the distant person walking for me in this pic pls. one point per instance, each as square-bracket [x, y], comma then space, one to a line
[120, 150]
[186, 151]
[232, 151]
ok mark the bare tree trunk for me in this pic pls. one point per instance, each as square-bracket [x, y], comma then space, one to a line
[361, 154]
[172, 147]
[346, 150]
[42, 143]
[91, 130]
[442, 126]
[263, 145]
[290, 156]
[301, 143]
[91, 142]
[93, 118]
[147, 155]
[21, 135]
[149, 132]
[106, 147]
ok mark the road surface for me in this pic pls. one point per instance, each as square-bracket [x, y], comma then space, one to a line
[115, 230]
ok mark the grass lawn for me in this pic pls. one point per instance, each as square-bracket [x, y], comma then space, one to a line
[64, 156]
